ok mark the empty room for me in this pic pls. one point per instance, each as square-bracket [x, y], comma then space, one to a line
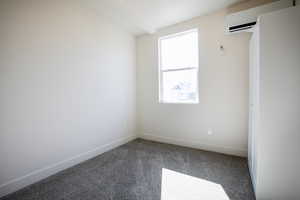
[149, 100]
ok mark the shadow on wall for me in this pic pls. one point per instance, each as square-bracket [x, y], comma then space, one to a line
[244, 5]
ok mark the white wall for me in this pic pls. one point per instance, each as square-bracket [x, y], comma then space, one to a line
[67, 86]
[223, 91]
[278, 139]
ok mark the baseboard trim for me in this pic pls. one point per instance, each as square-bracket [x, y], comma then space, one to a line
[196, 145]
[35, 176]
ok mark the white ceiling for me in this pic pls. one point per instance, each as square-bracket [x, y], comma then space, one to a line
[146, 16]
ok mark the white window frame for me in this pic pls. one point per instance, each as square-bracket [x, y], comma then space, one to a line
[161, 71]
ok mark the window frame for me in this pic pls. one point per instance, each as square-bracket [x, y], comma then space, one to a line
[161, 71]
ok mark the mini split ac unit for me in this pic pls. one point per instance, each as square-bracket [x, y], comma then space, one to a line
[245, 20]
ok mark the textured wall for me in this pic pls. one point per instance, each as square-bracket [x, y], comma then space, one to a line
[223, 90]
[67, 84]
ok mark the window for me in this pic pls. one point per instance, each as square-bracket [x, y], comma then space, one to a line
[178, 68]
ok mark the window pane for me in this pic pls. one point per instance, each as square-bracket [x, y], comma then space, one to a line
[179, 51]
[180, 86]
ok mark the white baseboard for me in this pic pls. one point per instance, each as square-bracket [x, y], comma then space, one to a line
[40, 174]
[196, 145]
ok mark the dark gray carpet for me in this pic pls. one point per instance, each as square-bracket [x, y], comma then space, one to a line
[133, 171]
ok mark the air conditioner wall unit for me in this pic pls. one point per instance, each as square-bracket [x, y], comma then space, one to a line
[246, 19]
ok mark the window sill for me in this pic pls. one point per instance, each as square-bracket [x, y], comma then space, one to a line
[184, 103]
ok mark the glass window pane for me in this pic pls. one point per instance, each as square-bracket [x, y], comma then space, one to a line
[180, 86]
[179, 51]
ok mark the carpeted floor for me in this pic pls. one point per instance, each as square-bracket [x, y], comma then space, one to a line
[134, 172]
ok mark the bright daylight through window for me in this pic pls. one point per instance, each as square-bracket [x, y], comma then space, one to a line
[178, 63]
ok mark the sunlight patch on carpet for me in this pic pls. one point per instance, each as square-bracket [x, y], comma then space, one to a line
[178, 186]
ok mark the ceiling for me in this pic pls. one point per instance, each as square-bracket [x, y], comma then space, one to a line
[147, 16]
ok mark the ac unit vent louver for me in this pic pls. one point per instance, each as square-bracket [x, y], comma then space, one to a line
[246, 19]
